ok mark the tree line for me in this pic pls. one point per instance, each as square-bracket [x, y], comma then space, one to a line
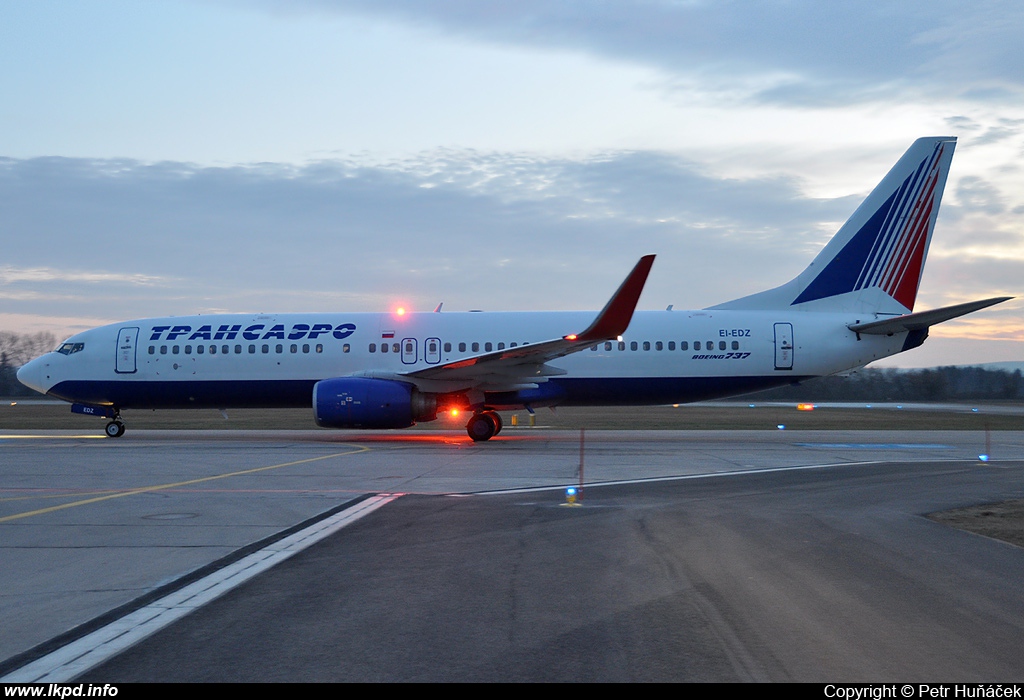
[15, 350]
[936, 384]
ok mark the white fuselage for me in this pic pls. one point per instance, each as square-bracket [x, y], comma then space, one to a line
[273, 360]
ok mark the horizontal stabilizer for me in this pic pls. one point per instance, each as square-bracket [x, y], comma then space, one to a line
[923, 319]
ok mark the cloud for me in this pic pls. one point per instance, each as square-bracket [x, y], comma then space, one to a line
[810, 53]
[13, 275]
[976, 195]
[472, 229]
[484, 230]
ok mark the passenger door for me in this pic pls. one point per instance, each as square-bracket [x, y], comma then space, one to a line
[127, 340]
[783, 346]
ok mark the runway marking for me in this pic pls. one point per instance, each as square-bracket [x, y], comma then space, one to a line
[52, 437]
[163, 487]
[64, 664]
[687, 477]
[876, 445]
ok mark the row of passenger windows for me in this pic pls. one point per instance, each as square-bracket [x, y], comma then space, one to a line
[472, 347]
[684, 345]
[306, 348]
[265, 349]
[608, 346]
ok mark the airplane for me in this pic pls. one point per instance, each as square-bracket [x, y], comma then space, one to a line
[851, 306]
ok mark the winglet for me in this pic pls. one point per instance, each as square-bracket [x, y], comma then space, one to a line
[618, 312]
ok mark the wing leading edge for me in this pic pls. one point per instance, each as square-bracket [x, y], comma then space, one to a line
[526, 366]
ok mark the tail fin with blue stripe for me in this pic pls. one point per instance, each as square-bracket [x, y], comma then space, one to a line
[874, 262]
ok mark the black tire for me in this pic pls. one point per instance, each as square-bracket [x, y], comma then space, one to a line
[496, 419]
[481, 427]
[115, 429]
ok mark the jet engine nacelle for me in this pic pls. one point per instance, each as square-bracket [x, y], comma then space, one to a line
[359, 402]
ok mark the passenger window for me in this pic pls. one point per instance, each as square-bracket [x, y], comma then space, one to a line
[633, 345]
[294, 348]
[721, 345]
[696, 345]
[174, 349]
[152, 350]
[462, 347]
[373, 347]
[163, 349]
[395, 348]
[501, 346]
[476, 347]
[622, 345]
[188, 349]
[512, 345]
[346, 348]
[305, 348]
[647, 345]
[608, 346]
[684, 345]
[384, 347]
[252, 349]
[320, 347]
[200, 349]
[658, 345]
[488, 347]
[279, 348]
[735, 345]
[447, 347]
[213, 349]
[238, 349]
[265, 349]
[671, 345]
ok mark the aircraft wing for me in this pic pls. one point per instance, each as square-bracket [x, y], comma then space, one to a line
[525, 366]
[923, 319]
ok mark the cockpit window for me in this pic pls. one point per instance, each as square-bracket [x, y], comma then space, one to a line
[71, 348]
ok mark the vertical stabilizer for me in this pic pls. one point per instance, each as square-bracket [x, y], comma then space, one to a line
[874, 262]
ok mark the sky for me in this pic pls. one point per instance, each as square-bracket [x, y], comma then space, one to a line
[174, 157]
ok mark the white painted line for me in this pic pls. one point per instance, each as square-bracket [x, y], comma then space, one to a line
[64, 664]
[689, 477]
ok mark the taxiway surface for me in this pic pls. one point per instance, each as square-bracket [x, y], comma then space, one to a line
[821, 573]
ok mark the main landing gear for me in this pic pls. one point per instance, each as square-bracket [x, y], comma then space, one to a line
[484, 425]
[115, 428]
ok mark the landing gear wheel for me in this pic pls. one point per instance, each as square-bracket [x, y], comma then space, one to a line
[481, 427]
[115, 429]
[496, 419]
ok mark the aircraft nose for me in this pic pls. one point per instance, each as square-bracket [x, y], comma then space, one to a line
[31, 375]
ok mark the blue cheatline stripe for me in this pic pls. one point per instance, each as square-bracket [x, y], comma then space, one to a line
[626, 391]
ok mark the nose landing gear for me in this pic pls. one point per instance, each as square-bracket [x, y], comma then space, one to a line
[115, 428]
